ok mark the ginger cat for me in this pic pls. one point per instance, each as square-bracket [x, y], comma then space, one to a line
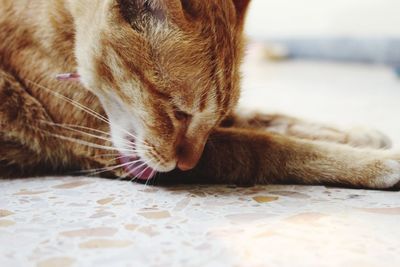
[152, 90]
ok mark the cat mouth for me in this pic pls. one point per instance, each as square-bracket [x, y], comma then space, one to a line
[135, 167]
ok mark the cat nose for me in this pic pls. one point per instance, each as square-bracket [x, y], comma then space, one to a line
[188, 154]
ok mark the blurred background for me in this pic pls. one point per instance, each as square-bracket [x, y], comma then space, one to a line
[330, 61]
[288, 18]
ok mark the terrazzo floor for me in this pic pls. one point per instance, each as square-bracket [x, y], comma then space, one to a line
[81, 221]
[93, 222]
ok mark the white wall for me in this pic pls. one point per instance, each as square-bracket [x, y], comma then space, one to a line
[282, 18]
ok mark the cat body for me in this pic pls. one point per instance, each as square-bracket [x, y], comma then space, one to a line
[158, 87]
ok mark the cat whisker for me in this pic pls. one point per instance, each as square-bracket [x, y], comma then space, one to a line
[140, 166]
[156, 175]
[82, 142]
[75, 126]
[106, 155]
[127, 174]
[152, 173]
[146, 183]
[123, 156]
[131, 148]
[105, 169]
[79, 106]
[115, 159]
[71, 127]
[129, 144]
[81, 132]
[141, 147]
[73, 102]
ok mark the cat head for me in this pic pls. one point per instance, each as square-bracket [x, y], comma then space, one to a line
[166, 72]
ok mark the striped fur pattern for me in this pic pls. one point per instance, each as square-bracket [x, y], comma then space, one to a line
[159, 83]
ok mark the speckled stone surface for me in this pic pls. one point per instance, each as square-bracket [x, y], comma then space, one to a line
[78, 221]
[95, 222]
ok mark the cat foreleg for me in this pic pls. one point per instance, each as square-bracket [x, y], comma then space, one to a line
[291, 126]
[245, 156]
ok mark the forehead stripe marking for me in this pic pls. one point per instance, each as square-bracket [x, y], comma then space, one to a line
[143, 79]
[214, 58]
[203, 100]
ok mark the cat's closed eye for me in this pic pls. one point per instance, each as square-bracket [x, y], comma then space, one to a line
[181, 115]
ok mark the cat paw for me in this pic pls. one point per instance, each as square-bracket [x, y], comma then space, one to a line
[368, 138]
[388, 174]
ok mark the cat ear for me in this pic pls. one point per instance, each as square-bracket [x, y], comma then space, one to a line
[132, 10]
[241, 8]
[74, 77]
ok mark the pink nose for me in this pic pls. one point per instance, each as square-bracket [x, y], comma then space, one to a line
[188, 155]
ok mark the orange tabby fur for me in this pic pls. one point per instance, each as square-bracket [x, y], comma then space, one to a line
[164, 75]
